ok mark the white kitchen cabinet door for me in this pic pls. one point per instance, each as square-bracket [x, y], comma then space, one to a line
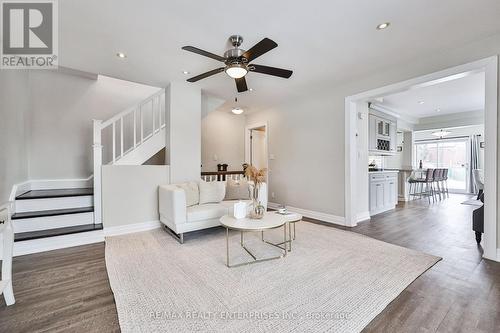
[390, 193]
[393, 136]
[377, 196]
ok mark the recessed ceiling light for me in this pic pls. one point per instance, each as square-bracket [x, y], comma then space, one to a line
[438, 110]
[250, 89]
[121, 55]
[421, 102]
[237, 111]
[384, 25]
[186, 72]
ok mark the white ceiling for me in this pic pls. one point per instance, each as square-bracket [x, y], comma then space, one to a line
[455, 96]
[323, 42]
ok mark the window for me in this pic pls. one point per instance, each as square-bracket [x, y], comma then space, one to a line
[448, 154]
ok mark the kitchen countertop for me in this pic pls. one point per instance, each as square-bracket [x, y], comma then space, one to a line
[385, 171]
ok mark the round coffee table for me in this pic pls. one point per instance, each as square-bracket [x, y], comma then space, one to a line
[291, 218]
[270, 220]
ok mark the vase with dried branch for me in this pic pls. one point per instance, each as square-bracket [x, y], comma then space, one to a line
[256, 178]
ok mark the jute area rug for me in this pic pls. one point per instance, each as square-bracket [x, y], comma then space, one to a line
[332, 280]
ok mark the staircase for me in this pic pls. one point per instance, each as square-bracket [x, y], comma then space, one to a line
[129, 138]
[47, 213]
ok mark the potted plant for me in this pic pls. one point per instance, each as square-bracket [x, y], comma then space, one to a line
[256, 178]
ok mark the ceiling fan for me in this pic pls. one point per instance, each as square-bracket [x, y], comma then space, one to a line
[237, 62]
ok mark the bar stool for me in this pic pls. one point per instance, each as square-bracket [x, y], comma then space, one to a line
[428, 182]
[445, 182]
[437, 178]
[413, 181]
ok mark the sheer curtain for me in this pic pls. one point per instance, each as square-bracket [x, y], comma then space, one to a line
[474, 161]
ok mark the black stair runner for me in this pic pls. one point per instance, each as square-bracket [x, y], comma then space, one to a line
[57, 193]
[22, 236]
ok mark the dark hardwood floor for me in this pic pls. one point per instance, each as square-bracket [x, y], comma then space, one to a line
[68, 289]
[64, 290]
[461, 293]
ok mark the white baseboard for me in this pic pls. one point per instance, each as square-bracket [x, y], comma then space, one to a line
[325, 217]
[363, 216]
[131, 228]
[52, 222]
[57, 242]
[49, 184]
[84, 238]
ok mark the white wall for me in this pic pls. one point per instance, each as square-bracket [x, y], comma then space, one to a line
[130, 193]
[63, 107]
[306, 137]
[183, 111]
[223, 137]
[14, 113]
[307, 131]
[395, 161]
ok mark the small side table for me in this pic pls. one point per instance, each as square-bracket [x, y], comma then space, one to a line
[291, 218]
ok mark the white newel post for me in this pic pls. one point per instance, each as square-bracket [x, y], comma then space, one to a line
[97, 171]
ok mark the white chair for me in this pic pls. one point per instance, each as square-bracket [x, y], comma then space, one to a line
[7, 234]
[477, 175]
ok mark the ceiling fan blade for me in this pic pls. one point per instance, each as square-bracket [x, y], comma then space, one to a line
[203, 53]
[284, 73]
[241, 84]
[207, 74]
[259, 49]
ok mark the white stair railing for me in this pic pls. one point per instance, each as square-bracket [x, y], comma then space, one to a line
[138, 132]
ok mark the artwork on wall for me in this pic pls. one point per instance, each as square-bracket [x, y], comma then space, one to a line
[481, 145]
[400, 149]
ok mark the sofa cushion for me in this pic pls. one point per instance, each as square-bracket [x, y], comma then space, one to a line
[205, 212]
[237, 189]
[212, 192]
[192, 193]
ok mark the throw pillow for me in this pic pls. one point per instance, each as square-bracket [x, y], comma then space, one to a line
[212, 192]
[237, 190]
[192, 193]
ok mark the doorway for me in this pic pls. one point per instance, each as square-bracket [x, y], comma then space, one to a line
[256, 146]
[451, 154]
[489, 66]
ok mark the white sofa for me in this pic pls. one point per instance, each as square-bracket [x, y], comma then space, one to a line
[179, 219]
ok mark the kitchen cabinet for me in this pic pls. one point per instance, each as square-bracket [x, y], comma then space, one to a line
[382, 134]
[383, 189]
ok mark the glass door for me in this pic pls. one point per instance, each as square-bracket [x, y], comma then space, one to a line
[448, 154]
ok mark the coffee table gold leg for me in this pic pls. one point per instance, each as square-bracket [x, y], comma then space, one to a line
[290, 237]
[241, 240]
[284, 238]
[227, 247]
[294, 230]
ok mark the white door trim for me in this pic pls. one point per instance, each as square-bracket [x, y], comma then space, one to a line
[247, 143]
[490, 67]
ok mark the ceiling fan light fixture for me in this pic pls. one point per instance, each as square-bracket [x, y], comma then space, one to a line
[237, 111]
[441, 133]
[236, 71]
